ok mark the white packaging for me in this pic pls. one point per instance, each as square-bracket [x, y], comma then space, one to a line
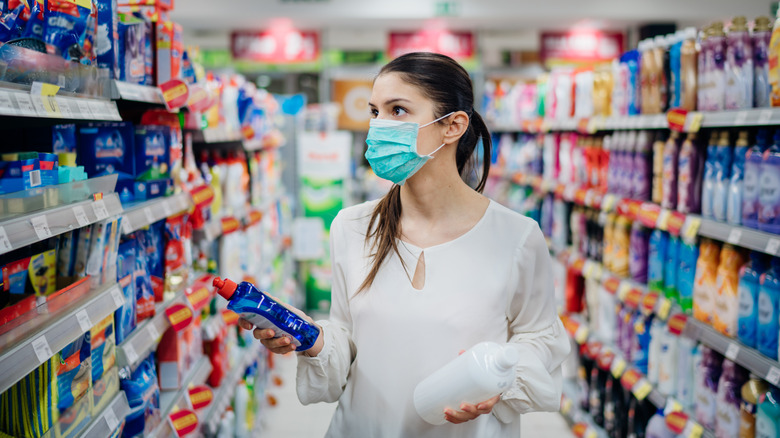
[657, 330]
[477, 375]
[667, 364]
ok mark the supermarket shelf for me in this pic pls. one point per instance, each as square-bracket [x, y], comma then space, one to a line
[741, 236]
[34, 341]
[108, 420]
[220, 135]
[750, 117]
[22, 103]
[171, 401]
[746, 357]
[224, 394]
[148, 212]
[580, 421]
[137, 93]
[27, 229]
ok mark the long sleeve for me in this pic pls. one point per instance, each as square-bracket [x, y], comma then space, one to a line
[323, 378]
[536, 331]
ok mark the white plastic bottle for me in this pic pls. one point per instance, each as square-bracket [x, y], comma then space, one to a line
[241, 401]
[482, 372]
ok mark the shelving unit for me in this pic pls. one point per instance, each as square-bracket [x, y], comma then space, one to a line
[741, 236]
[105, 423]
[145, 213]
[22, 103]
[136, 93]
[23, 230]
[172, 401]
[56, 324]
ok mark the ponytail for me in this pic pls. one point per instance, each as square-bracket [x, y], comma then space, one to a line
[480, 128]
[387, 218]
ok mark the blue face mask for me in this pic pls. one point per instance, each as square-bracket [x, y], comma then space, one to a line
[392, 149]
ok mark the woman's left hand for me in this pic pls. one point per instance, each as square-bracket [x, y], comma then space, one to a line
[469, 412]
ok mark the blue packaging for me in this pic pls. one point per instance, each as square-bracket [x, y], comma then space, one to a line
[19, 175]
[145, 190]
[749, 282]
[671, 266]
[107, 148]
[74, 375]
[143, 396]
[107, 49]
[769, 311]
[152, 152]
[65, 25]
[750, 183]
[708, 183]
[659, 241]
[132, 52]
[63, 139]
[640, 349]
[125, 316]
[35, 25]
[675, 86]
[8, 23]
[49, 164]
[734, 200]
[631, 59]
[688, 256]
[144, 294]
[769, 189]
[152, 240]
[723, 159]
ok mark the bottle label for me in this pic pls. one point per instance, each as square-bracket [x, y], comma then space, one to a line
[727, 423]
[769, 193]
[750, 188]
[264, 323]
[765, 427]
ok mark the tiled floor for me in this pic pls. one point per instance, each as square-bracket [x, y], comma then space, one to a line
[284, 419]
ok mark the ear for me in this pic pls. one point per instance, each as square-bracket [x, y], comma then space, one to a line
[458, 124]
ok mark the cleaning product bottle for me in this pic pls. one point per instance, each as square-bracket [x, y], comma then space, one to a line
[688, 70]
[646, 68]
[622, 241]
[708, 184]
[748, 298]
[753, 161]
[656, 427]
[726, 299]
[240, 408]
[662, 44]
[657, 328]
[705, 286]
[266, 313]
[706, 387]
[640, 348]
[768, 310]
[686, 277]
[671, 269]
[717, 76]
[723, 160]
[705, 68]
[690, 169]
[774, 63]
[671, 149]
[609, 242]
[739, 66]
[728, 399]
[769, 189]
[762, 36]
[687, 357]
[768, 414]
[658, 168]
[676, 40]
[659, 241]
[638, 251]
[642, 167]
[480, 373]
[736, 183]
[667, 363]
[751, 391]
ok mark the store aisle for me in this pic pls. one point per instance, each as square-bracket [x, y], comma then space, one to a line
[284, 420]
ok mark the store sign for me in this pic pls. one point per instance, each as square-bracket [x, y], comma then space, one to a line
[275, 46]
[457, 45]
[580, 46]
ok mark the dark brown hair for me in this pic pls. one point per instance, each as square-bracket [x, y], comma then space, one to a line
[445, 82]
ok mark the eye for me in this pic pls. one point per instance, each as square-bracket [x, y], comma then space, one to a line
[399, 110]
[374, 113]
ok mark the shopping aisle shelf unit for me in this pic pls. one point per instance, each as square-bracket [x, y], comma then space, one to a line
[37, 336]
[105, 423]
[175, 400]
[145, 213]
[23, 103]
[741, 236]
[137, 93]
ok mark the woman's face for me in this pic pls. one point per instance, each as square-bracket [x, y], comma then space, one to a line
[394, 99]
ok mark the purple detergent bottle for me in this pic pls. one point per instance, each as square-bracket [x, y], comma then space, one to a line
[671, 149]
[706, 387]
[739, 66]
[753, 161]
[769, 189]
[689, 176]
[717, 74]
[762, 34]
[642, 169]
[638, 252]
[729, 399]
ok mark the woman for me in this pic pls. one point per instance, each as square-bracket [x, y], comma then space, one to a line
[428, 271]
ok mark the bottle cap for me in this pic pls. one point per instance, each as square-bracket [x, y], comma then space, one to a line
[738, 24]
[225, 287]
[762, 24]
[507, 357]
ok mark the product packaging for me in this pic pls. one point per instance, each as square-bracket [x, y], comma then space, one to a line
[749, 277]
[751, 183]
[143, 396]
[638, 253]
[705, 286]
[688, 70]
[659, 241]
[669, 182]
[21, 173]
[132, 50]
[769, 310]
[74, 375]
[152, 149]
[126, 314]
[672, 272]
[707, 378]
[143, 284]
[722, 176]
[726, 308]
[29, 407]
[739, 66]
[736, 184]
[107, 148]
[108, 40]
[103, 347]
[65, 28]
[769, 189]
[689, 169]
[729, 399]
[762, 36]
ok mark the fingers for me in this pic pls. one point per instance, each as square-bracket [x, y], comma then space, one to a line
[469, 412]
[244, 324]
[280, 345]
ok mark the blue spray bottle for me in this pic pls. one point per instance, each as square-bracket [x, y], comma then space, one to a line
[749, 276]
[750, 184]
[266, 313]
[768, 310]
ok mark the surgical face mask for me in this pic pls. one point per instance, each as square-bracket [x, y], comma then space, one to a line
[392, 149]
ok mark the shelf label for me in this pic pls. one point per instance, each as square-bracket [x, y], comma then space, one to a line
[664, 307]
[132, 356]
[764, 117]
[676, 118]
[693, 121]
[623, 290]
[230, 224]
[693, 430]
[198, 297]
[83, 319]
[153, 332]
[663, 219]
[691, 228]
[184, 422]
[81, 216]
[127, 228]
[633, 298]
[677, 324]
[675, 222]
[672, 405]
[609, 202]
[26, 107]
[179, 315]
[167, 208]
[566, 406]
[5, 244]
[111, 420]
[630, 378]
[83, 108]
[772, 246]
[97, 109]
[676, 421]
[649, 302]
[732, 351]
[773, 376]
[175, 93]
[149, 215]
[99, 207]
[618, 367]
[581, 335]
[734, 235]
[42, 350]
[64, 106]
[740, 118]
[201, 396]
[649, 214]
[116, 294]
[642, 389]
[41, 226]
[6, 105]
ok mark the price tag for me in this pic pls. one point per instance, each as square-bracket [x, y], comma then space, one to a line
[740, 118]
[691, 228]
[99, 207]
[127, 228]
[642, 389]
[623, 290]
[167, 208]
[119, 299]
[97, 109]
[6, 105]
[773, 376]
[772, 246]
[25, 104]
[693, 121]
[132, 356]
[41, 226]
[734, 235]
[608, 204]
[47, 106]
[81, 216]
[672, 405]
[64, 105]
[83, 108]
[84, 322]
[765, 117]
[732, 351]
[111, 420]
[664, 307]
[42, 350]
[618, 367]
[581, 335]
[5, 244]
[153, 332]
[566, 406]
[663, 220]
[692, 430]
[149, 215]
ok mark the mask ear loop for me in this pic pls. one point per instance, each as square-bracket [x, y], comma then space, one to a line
[442, 117]
[437, 150]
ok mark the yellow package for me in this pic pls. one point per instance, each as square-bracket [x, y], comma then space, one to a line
[724, 318]
[42, 272]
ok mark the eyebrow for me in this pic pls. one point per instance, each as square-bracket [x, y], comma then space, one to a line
[391, 101]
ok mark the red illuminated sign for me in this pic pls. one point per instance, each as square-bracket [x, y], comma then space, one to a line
[457, 45]
[285, 45]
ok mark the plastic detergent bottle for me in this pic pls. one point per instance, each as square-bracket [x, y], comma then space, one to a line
[729, 399]
[621, 244]
[750, 274]
[482, 372]
[717, 75]
[671, 149]
[762, 36]
[705, 286]
[706, 387]
[686, 277]
[658, 168]
[646, 68]
[768, 310]
[722, 176]
[768, 414]
[687, 353]
[751, 392]
[638, 251]
[690, 168]
[671, 269]
[675, 40]
[688, 70]
[734, 199]
[642, 167]
[774, 63]
[656, 427]
[708, 183]
[266, 313]
[667, 363]
[769, 189]
[739, 66]
[704, 58]
[753, 161]
[726, 299]
[659, 241]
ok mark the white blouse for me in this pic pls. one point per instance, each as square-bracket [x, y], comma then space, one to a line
[494, 283]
